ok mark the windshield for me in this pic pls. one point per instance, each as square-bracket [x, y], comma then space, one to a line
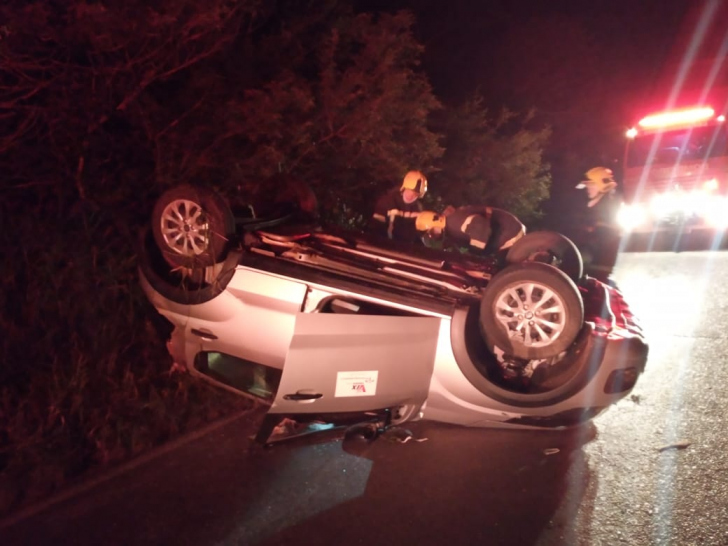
[671, 147]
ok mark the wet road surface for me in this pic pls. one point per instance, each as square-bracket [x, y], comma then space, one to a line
[642, 495]
[617, 481]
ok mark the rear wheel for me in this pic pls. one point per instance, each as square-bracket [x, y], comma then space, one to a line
[182, 285]
[531, 310]
[548, 247]
[192, 226]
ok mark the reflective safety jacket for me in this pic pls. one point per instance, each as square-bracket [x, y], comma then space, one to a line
[395, 219]
[485, 228]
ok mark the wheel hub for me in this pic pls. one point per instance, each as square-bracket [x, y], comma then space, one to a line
[531, 313]
[185, 228]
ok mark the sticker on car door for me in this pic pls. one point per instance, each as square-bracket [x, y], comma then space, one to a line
[356, 383]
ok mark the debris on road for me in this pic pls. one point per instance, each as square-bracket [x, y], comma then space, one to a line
[401, 435]
[682, 444]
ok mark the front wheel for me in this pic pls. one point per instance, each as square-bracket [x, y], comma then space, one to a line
[192, 226]
[532, 311]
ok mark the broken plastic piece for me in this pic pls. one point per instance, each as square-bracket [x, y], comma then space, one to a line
[677, 445]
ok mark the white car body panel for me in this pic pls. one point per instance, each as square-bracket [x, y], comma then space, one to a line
[318, 325]
[356, 363]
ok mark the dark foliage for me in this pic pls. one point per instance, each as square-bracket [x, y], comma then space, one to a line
[103, 105]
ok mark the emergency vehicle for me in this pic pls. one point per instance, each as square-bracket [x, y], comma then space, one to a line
[675, 171]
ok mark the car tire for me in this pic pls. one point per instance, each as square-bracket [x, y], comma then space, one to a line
[192, 227]
[179, 285]
[548, 247]
[511, 318]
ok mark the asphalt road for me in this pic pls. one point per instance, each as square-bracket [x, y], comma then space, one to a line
[608, 483]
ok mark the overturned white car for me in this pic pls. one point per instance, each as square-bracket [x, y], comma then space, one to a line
[336, 326]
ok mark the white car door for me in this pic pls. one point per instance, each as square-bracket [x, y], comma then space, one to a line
[350, 363]
[252, 320]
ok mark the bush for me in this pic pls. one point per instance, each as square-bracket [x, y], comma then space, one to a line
[85, 379]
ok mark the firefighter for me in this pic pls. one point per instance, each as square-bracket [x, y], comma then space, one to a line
[600, 237]
[395, 211]
[603, 203]
[483, 229]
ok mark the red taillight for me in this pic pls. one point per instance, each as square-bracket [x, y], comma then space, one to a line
[677, 117]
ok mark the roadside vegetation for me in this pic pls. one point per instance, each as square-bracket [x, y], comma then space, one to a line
[105, 104]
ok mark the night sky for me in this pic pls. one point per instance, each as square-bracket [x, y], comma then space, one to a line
[462, 37]
[588, 67]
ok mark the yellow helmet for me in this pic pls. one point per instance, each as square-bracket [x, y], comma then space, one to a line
[415, 181]
[601, 178]
[427, 220]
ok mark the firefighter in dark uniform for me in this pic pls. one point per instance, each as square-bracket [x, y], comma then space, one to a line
[600, 236]
[396, 211]
[483, 229]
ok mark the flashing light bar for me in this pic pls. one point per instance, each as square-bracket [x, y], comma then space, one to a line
[631, 132]
[677, 117]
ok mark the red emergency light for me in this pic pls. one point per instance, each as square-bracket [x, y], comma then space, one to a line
[677, 117]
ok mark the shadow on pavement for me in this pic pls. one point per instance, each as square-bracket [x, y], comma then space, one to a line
[460, 486]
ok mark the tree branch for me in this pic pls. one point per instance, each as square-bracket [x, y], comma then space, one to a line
[180, 118]
[79, 176]
[149, 77]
